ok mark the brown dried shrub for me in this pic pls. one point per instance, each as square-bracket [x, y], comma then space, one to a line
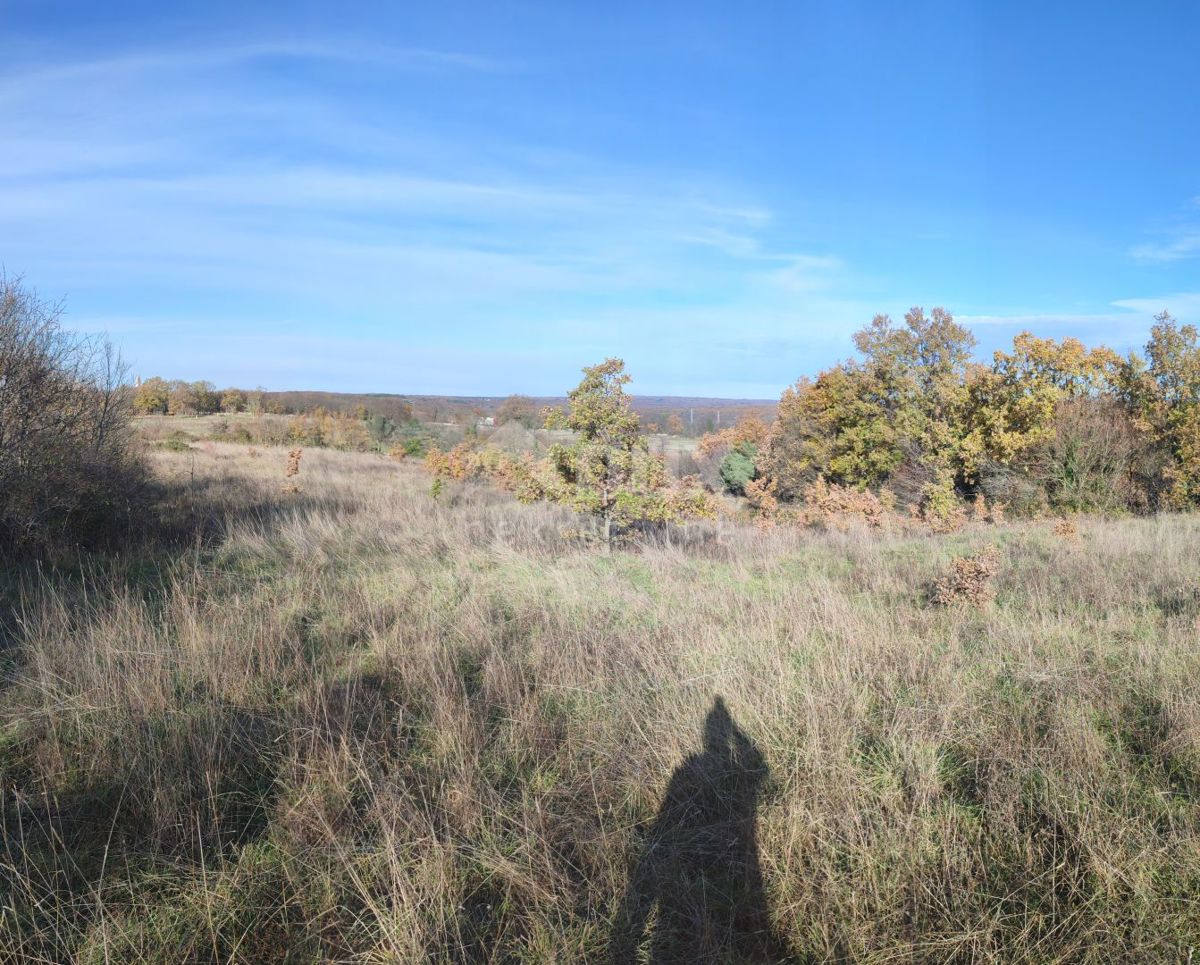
[762, 495]
[292, 470]
[836, 505]
[1066, 529]
[969, 580]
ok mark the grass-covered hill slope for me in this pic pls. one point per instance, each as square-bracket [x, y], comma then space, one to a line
[355, 722]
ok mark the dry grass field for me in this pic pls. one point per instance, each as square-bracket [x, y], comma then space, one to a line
[360, 723]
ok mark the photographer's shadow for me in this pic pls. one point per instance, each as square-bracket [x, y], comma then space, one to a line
[699, 865]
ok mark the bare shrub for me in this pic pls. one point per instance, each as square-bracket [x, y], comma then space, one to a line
[513, 438]
[1097, 460]
[1011, 487]
[683, 464]
[68, 471]
[913, 478]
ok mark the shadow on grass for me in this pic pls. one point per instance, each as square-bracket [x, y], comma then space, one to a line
[699, 868]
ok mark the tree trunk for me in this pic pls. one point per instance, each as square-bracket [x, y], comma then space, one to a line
[606, 514]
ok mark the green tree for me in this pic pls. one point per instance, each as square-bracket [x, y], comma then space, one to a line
[207, 399]
[899, 407]
[916, 373]
[607, 470]
[737, 469]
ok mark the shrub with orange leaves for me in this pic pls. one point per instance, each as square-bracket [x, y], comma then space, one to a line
[830, 503]
[761, 495]
[292, 470]
[435, 462]
[749, 429]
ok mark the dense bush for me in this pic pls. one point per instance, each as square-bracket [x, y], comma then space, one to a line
[737, 469]
[68, 474]
[1048, 426]
[1097, 460]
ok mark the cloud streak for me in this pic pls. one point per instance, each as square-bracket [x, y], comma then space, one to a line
[1180, 241]
[1185, 244]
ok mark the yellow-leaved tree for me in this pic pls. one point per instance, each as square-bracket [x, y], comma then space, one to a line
[152, 396]
[895, 416]
[1164, 393]
[1013, 404]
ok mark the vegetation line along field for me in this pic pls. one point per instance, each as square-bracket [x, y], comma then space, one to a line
[858, 684]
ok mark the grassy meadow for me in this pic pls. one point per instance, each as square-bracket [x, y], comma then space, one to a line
[371, 721]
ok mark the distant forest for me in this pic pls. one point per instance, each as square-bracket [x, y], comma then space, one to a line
[678, 415]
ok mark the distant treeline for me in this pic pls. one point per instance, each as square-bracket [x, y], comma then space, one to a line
[159, 396]
[676, 415]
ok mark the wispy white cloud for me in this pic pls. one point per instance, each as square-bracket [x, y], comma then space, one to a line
[1126, 327]
[29, 79]
[806, 273]
[1045, 321]
[161, 177]
[1178, 241]
[1185, 244]
[1183, 305]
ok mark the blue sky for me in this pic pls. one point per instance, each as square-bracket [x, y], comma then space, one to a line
[482, 198]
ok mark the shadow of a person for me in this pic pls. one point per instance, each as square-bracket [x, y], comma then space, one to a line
[700, 862]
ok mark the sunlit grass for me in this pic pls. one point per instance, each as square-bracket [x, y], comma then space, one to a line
[358, 723]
